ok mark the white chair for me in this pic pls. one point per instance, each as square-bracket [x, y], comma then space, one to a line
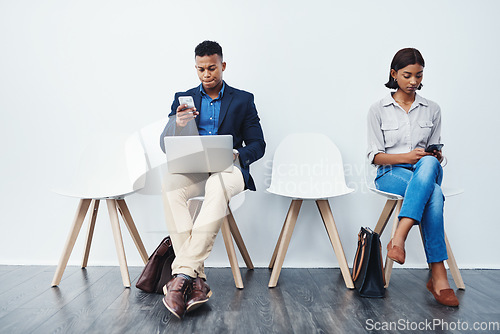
[393, 207]
[308, 166]
[156, 161]
[155, 158]
[108, 171]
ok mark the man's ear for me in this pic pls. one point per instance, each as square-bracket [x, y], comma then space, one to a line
[223, 66]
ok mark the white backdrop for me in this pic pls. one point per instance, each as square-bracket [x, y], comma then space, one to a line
[72, 70]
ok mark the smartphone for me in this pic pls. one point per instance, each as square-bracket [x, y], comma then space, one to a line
[433, 147]
[186, 100]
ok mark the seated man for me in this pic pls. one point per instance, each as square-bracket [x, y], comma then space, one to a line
[219, 110]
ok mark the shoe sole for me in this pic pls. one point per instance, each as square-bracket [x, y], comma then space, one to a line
[395, 260]
[197, 304]
[171, 311]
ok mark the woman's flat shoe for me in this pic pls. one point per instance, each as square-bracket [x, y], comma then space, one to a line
[395, 253]
[446, 296]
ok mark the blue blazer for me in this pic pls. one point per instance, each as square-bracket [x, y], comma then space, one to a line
[238, 117]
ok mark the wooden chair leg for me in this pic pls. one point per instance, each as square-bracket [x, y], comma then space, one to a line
[333, 234]
[284, 241]
[231, 253]
[388, 262]
[117, 235]
[81, 211]
[129, 222]
[278, 243]
[94, 206]
[238, 239]
[452, 264]
[385, 215]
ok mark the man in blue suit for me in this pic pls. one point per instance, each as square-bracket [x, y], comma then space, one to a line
[219, 110]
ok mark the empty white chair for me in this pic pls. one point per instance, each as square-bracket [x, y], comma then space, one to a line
[155, 158]
[108, 171]
[393, 207]
[308, 166]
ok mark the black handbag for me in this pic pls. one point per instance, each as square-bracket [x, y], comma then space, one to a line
[367, 270]
[158, 270]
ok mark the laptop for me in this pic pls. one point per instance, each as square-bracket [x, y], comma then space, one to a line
[199, 154]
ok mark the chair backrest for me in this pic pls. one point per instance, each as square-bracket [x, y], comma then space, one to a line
[155, 158]
[110, 166]
[308, 166]
[136, 162]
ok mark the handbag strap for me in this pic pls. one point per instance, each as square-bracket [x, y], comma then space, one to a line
[164, 246]
[356, 267]
[381, 261]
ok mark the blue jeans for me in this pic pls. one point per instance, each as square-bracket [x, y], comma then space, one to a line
[420, 185]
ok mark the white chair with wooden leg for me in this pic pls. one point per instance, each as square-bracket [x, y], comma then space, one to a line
[109, 171]
[393, 207]
[308, 166]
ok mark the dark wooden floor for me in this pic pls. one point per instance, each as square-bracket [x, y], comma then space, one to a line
[305, 301]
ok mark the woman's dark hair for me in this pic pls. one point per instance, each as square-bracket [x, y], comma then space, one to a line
[208, 48]
[403, 58]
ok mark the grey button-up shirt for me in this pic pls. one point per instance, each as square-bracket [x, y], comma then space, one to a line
[392, 130]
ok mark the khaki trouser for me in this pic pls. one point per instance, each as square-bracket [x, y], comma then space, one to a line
[193, 241]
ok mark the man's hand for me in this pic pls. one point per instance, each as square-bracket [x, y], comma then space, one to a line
[183, 115]
[415, 155]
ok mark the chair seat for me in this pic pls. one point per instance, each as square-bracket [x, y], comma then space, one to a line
[447, 192]
[386, 194]
[93, 194]
[309, 194]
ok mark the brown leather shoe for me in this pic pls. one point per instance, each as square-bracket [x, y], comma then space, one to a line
[200, 293]
[175, 297]
[396, 253]
[446, 296]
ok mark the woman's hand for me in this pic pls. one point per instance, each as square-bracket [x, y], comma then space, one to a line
[184, 115]
[438, 155]
[414, 156]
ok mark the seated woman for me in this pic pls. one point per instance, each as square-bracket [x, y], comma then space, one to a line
[401, 129]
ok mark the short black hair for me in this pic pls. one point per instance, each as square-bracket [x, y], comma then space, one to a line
[208, 48]
[403, 58]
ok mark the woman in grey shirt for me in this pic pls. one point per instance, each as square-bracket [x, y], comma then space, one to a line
[400, 129]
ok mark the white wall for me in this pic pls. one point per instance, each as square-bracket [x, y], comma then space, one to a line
[70, 70]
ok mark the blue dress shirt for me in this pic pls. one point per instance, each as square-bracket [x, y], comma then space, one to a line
[209, 113]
